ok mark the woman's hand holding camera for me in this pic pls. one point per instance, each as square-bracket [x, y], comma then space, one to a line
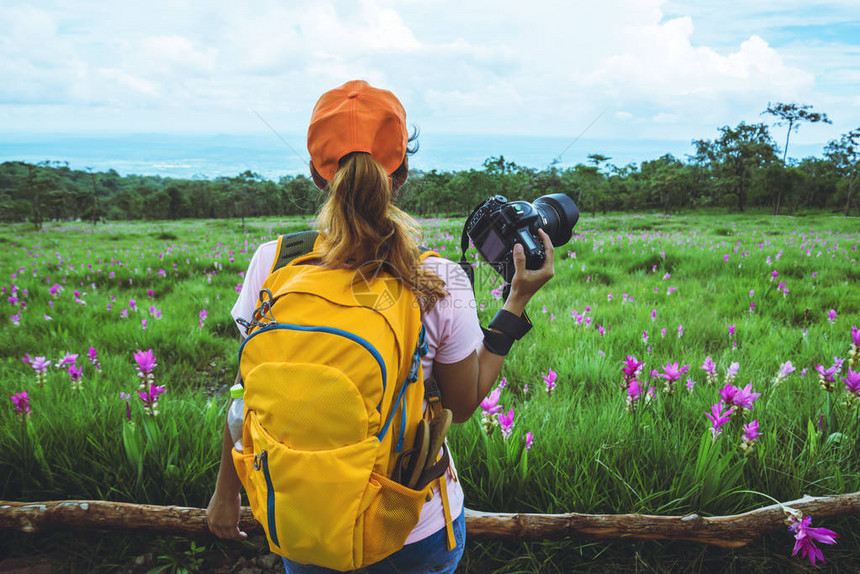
[526, 282]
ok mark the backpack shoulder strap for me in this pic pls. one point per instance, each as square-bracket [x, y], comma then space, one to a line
[293, 245]
[425, 253]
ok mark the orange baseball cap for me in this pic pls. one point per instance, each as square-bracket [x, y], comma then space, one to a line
[357, 117]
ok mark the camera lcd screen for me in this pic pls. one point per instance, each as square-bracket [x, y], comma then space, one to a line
[493, 246]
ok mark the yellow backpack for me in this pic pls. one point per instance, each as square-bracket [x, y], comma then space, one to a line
[333, 396]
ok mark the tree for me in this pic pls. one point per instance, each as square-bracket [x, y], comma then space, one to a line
[705, 161]
[741, 150]
[793, 115]
[845, 155]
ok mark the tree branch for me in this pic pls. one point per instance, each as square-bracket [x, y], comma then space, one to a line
[722, 531]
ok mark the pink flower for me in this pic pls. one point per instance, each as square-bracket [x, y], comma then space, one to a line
[732, 371]
[143, 324]
[146, 361]
[503, 383]
[690, 384]
[529, 440]
[132, 304]
[506, 422]
[653, 314]
[490, 405]
[738, 397]
[632, 367]
[672, 373]
[731, 330]
[852, 382]
[74, 373]
[40, 364]
[68, 359]
[149, 397]
[727, 393]
[805, 538]
[550, 379]
[22, 404]
[751, 432]
[827, 374]
[709, 366]
[126, 397]
[680, 331]
[855, 335]
[718, 418]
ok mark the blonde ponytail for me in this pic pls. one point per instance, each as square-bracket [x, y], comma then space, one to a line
[361, 227]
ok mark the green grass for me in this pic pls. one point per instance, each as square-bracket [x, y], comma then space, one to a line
[590, 454]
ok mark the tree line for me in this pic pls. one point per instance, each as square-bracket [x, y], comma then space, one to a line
[739, 169]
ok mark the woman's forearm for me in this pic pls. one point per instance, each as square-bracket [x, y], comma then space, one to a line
[228, 481]
[490, 364]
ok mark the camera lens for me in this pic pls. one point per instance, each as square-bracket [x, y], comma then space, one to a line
[560, 213]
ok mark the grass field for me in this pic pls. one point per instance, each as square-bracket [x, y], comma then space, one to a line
[753, 290]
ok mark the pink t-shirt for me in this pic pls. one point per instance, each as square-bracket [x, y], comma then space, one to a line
[452, 333]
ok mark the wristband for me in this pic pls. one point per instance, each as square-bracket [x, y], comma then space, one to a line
[497, 343]
[510, 324]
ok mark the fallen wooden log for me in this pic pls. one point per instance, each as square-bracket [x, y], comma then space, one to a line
[723, 531]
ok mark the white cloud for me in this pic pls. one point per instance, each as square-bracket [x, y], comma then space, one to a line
[541, 68]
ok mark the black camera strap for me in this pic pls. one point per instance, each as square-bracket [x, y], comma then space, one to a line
[464, 264]
[464, 246]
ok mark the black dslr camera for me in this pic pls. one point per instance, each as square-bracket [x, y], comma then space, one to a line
[497, 224]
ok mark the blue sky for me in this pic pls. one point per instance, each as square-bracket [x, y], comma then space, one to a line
[660, 69]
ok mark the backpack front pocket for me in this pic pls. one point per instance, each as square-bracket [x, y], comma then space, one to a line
[310, 502]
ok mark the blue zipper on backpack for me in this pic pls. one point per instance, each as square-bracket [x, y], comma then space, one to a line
[270, 497]
[333, 331]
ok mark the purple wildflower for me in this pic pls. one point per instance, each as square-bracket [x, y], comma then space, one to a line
[146, 361]
[718, 418]
[203, 314]
[506, 422]
[852, 383]
[732, 372]
[785, 369]
[22, 404]
[75, 374]
[805, 538]
[126, 397]
[529, 440]
[831, 316]
[550, 379]
[40, 364]
[91, 355]
[826, 377]
[745, 397]
[751, 434]
[149, 397]
[710, 368]
[490, 405]
[632, 368]
[68, 359]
